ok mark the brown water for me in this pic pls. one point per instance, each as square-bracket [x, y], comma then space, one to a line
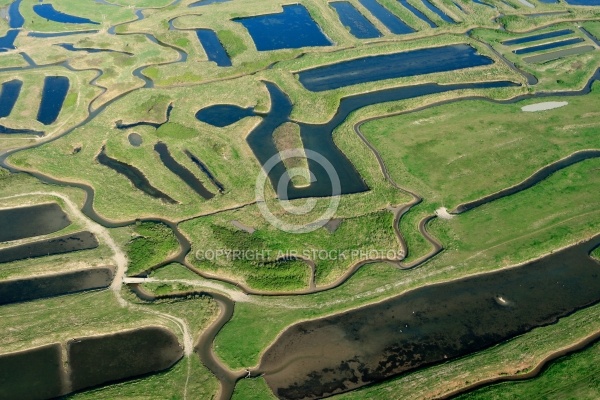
[44, 372]
[123, 355]
[58, 245]
[32, 374]
[18, 290]
[24, 222]
[429, 325]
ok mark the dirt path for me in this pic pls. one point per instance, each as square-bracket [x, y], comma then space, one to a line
[120, 261]
[119, 257]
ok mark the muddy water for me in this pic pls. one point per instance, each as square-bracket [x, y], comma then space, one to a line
[429, 325]
[18, 290]
[24, 222]
[32, 374]
[97, 360]
[59, 245]
[44, 372]
[135, 139]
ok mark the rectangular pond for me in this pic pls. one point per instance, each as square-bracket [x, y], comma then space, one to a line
[540, 36]
[418, 13]
[388, 66]
[291, 29]
[352, 19]
[59, 245]
[26, 289]
[53, 96]
[555, 55]
[439, 12]
[8, 96]
[23, 222]
[548, 46]
[48, 372]
[33, 373]
[122, 355]
[213, 47]
[387, 18]
[583, 2]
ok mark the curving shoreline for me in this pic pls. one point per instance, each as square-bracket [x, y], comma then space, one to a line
[583, 344]
[532, 180]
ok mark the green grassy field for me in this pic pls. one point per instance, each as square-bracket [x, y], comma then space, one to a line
[435, 153]
[574, 376]
[473, 245]
[150, 244]
[368, 232]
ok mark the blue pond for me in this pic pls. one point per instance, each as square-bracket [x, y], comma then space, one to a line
[584, 2]
[439, 12]
[206, 2]
[388, 66]
[351, 18]
[291, 29]
[58, 34]
[47, 11]
[393, 23]
[15, 18]
[548, 46]
[418, 13]
[483, 3]
[8, 41]
[223, 114]
[8, 96]
[458, 6]
[213, 47]
[53, 96]
[540, 36]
